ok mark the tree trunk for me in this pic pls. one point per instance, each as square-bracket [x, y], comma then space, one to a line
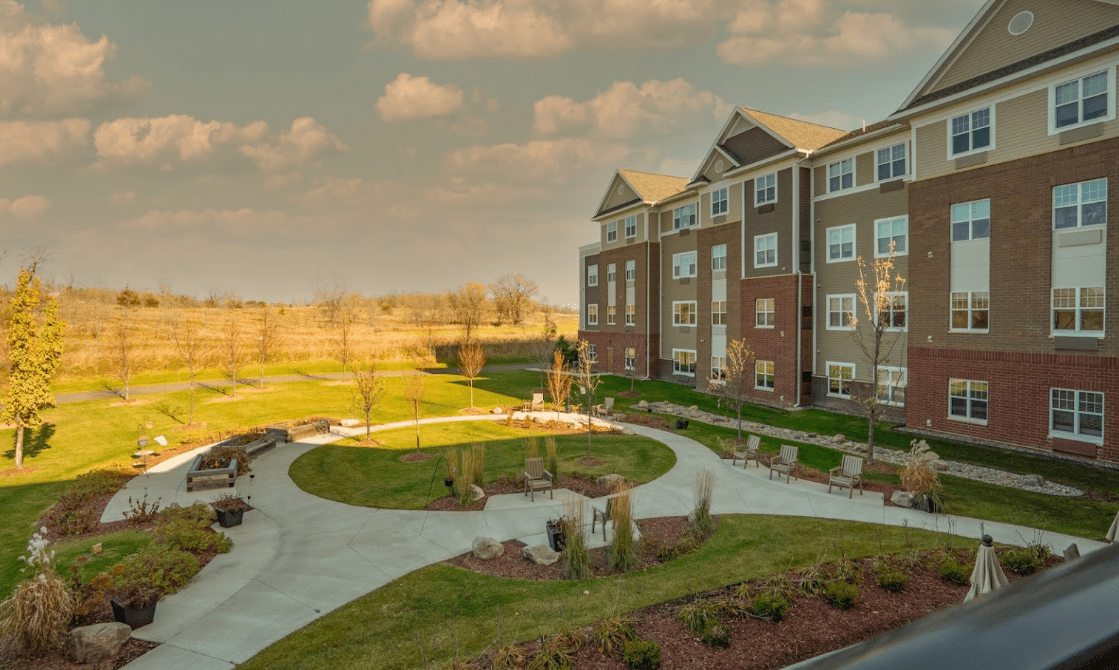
[471, 393]
[262, 373]
[19, 446]
[417, 432]
[192, 397]
[367, 426]
[740, 422]
[589, 426]
[870, 435]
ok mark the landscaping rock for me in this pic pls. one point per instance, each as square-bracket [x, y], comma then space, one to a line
[839, 438]
[487, 548]
[540, 554]
[96, 643]
[1035, 480]
[902, 499]
[212, 514]
[628, 431]
[478, 492]
[644, 404]
[350, 423]
[939, 465]
[497, 410]
[930, 456]
[96, 548]
[618, 416]
[610, 480]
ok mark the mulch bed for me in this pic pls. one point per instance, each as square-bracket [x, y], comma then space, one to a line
[583, 484]
[416, 457]
[132, 650]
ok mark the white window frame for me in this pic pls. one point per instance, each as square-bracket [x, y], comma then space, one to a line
[840, 173]
[631, 270]
[629, 358]
[679, 222]
[682, 309]
[974, 305]
[612, 231]
[680, 362]
[891, 309]
[720, 201]
[834, 366]
[1078, 411]
[718, 257]
[891, 162]
[611, 273]
[718, 312]
[682, 263]
[762, 186]
[611, 315]
[719, 369]
[969, 390]
[592, 352]
[970, 213]
[1109, 74]
[1096, 189]
[631, 227]
[764, 371]
[840, 230]
[850, 314]
[761, 313]
[1078, 308]
[592, 275]
[765, 244]
[592, 314]
[970, 116]
[892, 222]
[631, 314]
[890, 397]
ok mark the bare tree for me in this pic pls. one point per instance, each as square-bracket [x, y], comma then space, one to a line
[469, 306]
[881, 293]
[232, 351]
[329, 301]
[542, 348]
[368, 391]
[736, 381]
[343, 343]
[268, 339]
[191, 348]
[589, 382]
[559, 380]
[631, 340]
[512, 296]
[414, 395]
[124, 357]
[471, 358]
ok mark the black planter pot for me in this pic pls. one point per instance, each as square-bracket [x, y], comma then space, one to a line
[448, 482]
[135, 617]
[557, 538]
[681, 424]
[927, 504]
[229, 519]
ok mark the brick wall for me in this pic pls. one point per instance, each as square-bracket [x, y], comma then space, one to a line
[778, 344]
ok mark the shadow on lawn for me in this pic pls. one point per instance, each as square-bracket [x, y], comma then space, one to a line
[34, 441]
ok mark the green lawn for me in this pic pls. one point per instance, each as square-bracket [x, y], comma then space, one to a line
[376, 477]
[114, 547]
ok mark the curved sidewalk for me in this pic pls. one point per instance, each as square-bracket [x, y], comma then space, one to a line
[298, 557]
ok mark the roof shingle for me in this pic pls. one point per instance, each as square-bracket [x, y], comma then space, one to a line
[654, 187]
[801, 134]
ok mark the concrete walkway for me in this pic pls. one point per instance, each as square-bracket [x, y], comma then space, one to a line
[298, 557]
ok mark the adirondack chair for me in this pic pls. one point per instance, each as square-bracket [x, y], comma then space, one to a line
[848, 474]
[604, 514]
[537, 478]
[786, 462]
[534, 405]
[608, 407]
[751, 449]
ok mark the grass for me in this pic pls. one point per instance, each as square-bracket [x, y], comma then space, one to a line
[114, 547]
[378, 629]
[376, 477]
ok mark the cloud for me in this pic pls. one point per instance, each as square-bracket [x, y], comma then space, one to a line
[27, 207]
[409, 98]
[832, 118]
[49, 69]
[303, 144]
[626, 110]
[555, 161]
[123, 197]
[230, 220]
[41, 142]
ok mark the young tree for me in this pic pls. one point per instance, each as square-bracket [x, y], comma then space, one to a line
[471, 358]
[414, 395]
[631, 340]
[35, 343]
[589, 382]
[330, 300]
[559, 381]
[124, 358]
[737, 379]
[191, 348]
[268, 339]
[232, 351]
[343, 344]
[368, 391]
[543, 348]
[880, 292]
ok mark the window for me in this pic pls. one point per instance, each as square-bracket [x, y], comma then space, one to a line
[631, 226]
[631, 270]
[765, 189]
[891, 235]
[719, 202]
[841, 310]
[971, 311]
[839, 379]
[611, 315]
[891, 385]
[612, 231]
[763, 375]
[612, 273]
[1078, 205]
[592, 315]
[630, 358]
[683, 217]
[719, 368]
[631, 315]
[1076, 414]
[765, 250]
[592, 275]
[765, 315]
[967, 400]
[891, 162]
[970, 132]
[893, 310]
[971, 220]
[683, 313]
[841, 175]
[592, 353]
[1078, 309]
[683, 265]
[718, 257]
[683, 362]
[841, 243]
[718, 312]
[1081, 100]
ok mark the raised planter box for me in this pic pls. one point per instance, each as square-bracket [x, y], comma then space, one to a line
[196, 477]
[258, 447]
[284, 433]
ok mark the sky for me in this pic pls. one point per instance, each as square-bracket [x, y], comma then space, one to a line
[273, 147]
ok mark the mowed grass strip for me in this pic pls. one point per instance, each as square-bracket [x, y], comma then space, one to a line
[378, 630]
[377, 477]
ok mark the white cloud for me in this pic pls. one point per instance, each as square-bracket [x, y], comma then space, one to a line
[626, 110]
[303, 144]
[123, 197]
[832, 118]
[551, 160]
[41, 142]
[27, 207]
[233, 220]
[409, 98]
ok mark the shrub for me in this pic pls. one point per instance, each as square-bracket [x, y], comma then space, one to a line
[1020, 561]
[642, 654]
[611, 635]
[717, 636]
[184, 534]
[140, 510]
[39, 608]
[76, 522]
[220, 457]
[201, 515]
[155, 570]
[952, 572]
[892, 580]
[89, 598]
[769, 606]
[841, 595]
[698, 617]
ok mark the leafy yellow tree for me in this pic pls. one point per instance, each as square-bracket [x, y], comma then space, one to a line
[35, 342]
[559, 380]
[368, 392]
[880, 291]
[736, 382]
[471, 358]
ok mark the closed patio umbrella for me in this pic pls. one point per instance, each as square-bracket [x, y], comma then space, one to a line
[987, 575]
[1114, 529]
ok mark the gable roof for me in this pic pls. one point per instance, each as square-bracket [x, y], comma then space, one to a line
[653, 187]
[798, 134]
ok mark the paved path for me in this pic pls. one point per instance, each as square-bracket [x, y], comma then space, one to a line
[298, 557]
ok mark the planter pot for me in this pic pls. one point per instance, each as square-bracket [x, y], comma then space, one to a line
[135, 617]
[926, 504]
[681, 424]
[229, 519]
[448, 482]
[557, 538]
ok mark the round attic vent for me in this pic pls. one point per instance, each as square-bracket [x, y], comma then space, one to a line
[718, 166]
[1020, 23]
[621, 190]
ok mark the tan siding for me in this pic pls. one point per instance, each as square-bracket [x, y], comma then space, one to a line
[675, 290]
[621, 221]
[615, 199]
[820, 180]
[754, 145]
[864, 169]
[932, 150]
[779, 221]
[1056, 22]
[734, 203]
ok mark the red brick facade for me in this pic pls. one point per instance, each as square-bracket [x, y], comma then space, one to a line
[778, 344]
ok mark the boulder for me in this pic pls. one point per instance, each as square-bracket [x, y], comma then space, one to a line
[210, 509]
[839, 438]
[618, 416]
[487, 548]
[478, 493]
[938, 465]
[1035, 480]
[96, 548]
[627, 431]
[693, 408]
[96, 643]
[611, 480]
[902, 498]
[644, 404]
[350, 423]
[497, 410]
[540, 554]
[930, 456]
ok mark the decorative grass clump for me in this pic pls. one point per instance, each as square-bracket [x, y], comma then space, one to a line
[841, 595]
[464, 487]
[701, 618]
[38, 610]
[703, 489]
[623, 552]
[769, 606]
[553, 458]
[642, 655]
[575, 563]
[612, 635]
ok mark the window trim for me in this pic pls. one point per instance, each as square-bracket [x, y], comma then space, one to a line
[827, 369]
[723, 320]
[895, 329]
[592, 275]
[827, 305]
[676, 217]
[1078, 309]
[759, 238]
[905, 146]
[854, 176]
[630, 314]
[970, 308]
[611, 231]
[854, 244]
[694, 266]
[693, 313]
[905, 376]
[631, 219]
[723, 256]
[972, 151]
[758, 312]
[970, 221]
[1080, 77]
[969, 418]
[1080, 204]
[891, 219]
[676, 363]
[767, 201]
[1076, 436]
[771, 375]
[725, 200]
[611, 315]
[592, 310]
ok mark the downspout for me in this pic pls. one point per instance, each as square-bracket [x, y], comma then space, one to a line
[812, 267]
[648, 291]
[799, 274]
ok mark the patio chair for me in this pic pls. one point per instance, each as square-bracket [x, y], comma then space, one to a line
[751, 449]
[608, 408]
[534, 405]
[605, 515]
[848, 474]
[537, 478]
[786, 462]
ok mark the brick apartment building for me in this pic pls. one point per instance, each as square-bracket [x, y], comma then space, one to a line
[990, 183]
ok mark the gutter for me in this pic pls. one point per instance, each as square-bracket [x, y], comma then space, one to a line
[799, 274]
